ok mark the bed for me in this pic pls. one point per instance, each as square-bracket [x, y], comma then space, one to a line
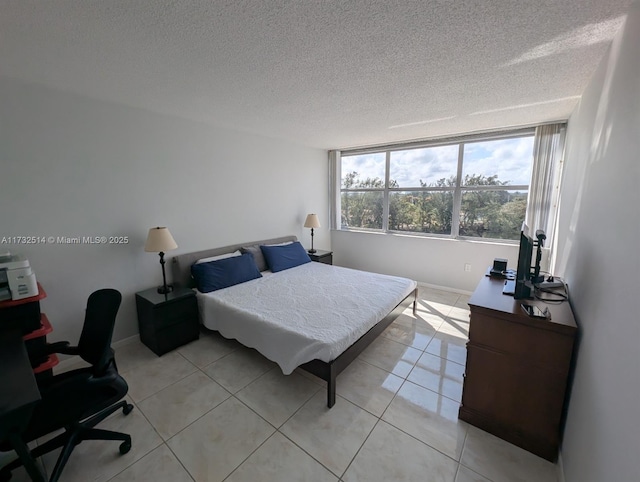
[328, 317]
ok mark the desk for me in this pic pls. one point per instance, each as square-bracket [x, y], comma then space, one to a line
[18, 394]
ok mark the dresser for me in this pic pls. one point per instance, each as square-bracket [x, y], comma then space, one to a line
[517, 369]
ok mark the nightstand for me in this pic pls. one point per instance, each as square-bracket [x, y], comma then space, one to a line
[167, 321]
[321, 256]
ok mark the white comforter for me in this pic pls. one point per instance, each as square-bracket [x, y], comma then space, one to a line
[312, 311]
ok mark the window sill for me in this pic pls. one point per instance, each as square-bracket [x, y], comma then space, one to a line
[438, 237]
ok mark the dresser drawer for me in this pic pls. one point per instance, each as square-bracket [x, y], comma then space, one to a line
[546, 348]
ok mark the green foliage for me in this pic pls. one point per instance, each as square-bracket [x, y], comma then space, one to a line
[487, 213]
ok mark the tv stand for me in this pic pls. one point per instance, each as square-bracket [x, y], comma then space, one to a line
[517, 369]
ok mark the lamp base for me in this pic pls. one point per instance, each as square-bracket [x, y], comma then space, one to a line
[311, 250]
[164, 290]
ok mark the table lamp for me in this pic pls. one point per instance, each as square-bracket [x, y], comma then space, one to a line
[312, 221]
[160, 240]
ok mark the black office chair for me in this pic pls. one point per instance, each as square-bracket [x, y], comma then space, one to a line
[78, 400]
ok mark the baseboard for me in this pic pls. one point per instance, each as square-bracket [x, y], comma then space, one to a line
[125, 342]
[560, 468]
[444, 288]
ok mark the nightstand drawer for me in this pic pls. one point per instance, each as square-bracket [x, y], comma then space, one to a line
[172, 337]
[175, 312]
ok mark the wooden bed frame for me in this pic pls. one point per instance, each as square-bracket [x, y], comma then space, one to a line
[328, 371]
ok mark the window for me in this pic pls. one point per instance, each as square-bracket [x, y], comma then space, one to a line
[474, 187]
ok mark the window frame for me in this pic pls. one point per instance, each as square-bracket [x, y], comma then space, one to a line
[458, 190]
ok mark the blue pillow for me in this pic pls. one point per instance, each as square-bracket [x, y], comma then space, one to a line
[222, 273]
[284, 257]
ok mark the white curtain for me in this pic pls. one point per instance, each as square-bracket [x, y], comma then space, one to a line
[334, 189]
[544, 188]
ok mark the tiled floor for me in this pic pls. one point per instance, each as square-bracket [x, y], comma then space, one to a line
[214, 410]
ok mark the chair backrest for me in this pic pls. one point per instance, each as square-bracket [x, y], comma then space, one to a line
[95, 340]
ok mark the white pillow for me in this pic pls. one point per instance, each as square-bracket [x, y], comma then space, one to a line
[279, 244]
[220, 256]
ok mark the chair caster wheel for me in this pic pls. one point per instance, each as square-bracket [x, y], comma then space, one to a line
[125, 447]
[127, 409]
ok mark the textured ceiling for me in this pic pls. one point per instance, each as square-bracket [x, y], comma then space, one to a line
[329, 74]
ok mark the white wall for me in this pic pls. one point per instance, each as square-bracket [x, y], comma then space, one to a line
[73, 166]
[434, 261]
[598, 255]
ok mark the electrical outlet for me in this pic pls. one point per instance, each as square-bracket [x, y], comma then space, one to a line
[467, 267]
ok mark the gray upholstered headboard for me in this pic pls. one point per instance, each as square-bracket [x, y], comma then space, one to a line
[181, 263]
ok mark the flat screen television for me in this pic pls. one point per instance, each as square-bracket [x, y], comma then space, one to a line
[526, 275]
[523, 284]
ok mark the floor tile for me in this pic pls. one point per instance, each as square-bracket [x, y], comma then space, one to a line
[20, 474]
[173, 408]
[438, 374]
[438, 302]
[221, 440]
[148, 378]
[448, 346]
[463, 301]
[501, 461]
[391, 356]
[391, 455]
[278, 460]
[239, 368]
[157, 466]
[455, 327]
[68, 365]
[439, 295]
[436, 308]
[426, 316]
[315, 379]
[467, 475]
[331, 436]
[429, 417]
[132, 355]
[460, 314]
[100, 460]
[367, 386]
[210, 347]
[410, 331]
[276, 397]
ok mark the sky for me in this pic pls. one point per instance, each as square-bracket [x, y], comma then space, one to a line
[510, 159]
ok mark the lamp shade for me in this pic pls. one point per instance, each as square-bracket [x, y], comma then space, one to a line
[159, 240]
[312, 221]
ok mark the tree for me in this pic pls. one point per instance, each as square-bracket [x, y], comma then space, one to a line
[362, 209]
[488, 213]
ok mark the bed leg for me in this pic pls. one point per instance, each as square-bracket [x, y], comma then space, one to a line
[415, 301]
[331, 389]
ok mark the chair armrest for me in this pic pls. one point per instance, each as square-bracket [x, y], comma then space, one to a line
[61, 347]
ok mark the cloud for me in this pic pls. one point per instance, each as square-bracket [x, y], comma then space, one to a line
[427, 164]
[509, 159]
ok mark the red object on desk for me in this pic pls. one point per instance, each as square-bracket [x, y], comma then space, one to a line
[48, 365]
[45, 329]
